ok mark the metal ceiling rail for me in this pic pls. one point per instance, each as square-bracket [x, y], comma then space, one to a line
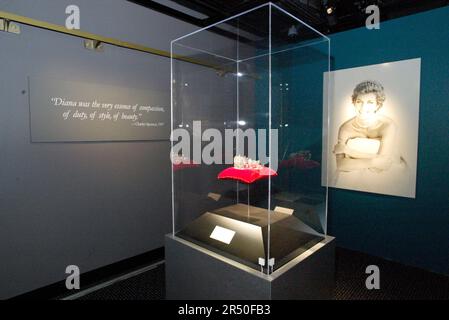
[90, 36]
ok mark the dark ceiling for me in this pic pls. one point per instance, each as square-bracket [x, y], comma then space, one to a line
[346, 14]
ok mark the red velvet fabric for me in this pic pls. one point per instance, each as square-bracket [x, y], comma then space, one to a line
[246, 175]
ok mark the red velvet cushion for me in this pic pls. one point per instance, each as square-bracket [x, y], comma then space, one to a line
[246, 175]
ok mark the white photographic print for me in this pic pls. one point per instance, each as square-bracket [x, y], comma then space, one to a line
[372, 139]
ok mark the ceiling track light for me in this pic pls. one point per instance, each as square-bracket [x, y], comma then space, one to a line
[9, 26]
[330, 6]
[94, 45]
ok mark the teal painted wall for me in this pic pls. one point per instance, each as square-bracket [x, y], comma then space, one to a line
[414, 232]
[411, 231]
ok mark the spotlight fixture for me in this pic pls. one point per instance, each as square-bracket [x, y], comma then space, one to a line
[9, 26]
[330, 6]
[94, 45]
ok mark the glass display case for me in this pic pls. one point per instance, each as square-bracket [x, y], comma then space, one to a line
[247, 137]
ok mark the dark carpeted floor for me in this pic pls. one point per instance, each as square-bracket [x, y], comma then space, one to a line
[396, 282]
[149, 285]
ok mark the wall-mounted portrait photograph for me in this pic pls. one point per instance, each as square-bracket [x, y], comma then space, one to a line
[372, 139]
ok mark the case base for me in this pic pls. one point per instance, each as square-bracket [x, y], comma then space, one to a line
[195, 273]
[289, 235]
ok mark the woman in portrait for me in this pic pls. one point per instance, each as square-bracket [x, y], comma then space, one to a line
[367, 152]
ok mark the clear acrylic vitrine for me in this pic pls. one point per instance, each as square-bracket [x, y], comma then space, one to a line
[247, 137]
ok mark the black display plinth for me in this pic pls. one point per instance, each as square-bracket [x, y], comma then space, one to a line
[195, 273]
[288, 235]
